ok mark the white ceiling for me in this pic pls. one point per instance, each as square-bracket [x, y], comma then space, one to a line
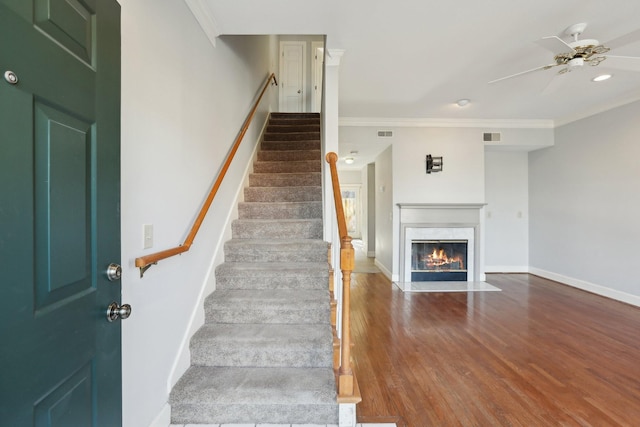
[412, 59]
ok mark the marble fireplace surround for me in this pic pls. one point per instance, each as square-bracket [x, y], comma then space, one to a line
[442, 221]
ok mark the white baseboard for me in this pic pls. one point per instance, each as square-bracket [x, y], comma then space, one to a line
[383, 269]
[506, 269]
[587, 286]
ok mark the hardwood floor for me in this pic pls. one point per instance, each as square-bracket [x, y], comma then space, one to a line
[536, 354]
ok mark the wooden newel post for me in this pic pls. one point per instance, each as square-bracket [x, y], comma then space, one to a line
[345, 384]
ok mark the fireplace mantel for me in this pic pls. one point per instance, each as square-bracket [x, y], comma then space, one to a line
[441, 205]
[440, 216]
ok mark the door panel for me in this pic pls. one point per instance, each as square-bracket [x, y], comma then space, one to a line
[292, 76]
[63, 175]
[59, 213]
[67, 22]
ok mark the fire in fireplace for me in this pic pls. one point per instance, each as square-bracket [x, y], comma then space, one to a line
[438, 260]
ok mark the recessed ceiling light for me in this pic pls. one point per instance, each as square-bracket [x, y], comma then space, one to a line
[601, 78]
[349, 160]
[462, 102]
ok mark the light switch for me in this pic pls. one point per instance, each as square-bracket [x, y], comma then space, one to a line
[147, 236]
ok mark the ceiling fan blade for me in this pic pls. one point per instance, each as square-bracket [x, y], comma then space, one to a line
[555, 83]
[626, 39]
[627, 63]
[555, 44]
[544, 67]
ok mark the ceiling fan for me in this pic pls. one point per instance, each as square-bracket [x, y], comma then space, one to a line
[580, 52]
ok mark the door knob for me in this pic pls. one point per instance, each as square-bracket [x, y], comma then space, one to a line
[114, 272]
[299, 91]
[115, 311]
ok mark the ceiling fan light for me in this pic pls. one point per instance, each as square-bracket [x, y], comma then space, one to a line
[575, 62]
[601, 78]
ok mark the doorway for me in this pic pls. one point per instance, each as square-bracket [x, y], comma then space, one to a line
[293, 72]
[352, 209]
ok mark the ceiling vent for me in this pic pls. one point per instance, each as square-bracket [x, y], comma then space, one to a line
[491, 137]
[385, 134]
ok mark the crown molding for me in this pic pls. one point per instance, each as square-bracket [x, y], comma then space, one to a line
[205, 18]
[448, 123]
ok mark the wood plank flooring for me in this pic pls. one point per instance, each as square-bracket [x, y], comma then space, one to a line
[536, 354]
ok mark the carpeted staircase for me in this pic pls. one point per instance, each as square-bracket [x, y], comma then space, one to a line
[264, 354]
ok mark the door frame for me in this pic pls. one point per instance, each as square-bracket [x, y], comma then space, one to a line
[281, 98]
[317, 78]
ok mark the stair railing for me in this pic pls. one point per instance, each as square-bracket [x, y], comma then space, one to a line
[346, 377]
[145, 262]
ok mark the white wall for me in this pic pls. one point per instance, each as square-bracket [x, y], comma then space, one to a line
[183, 103]
[350, 177]
[371, 209]
[384, 211]
[584, 204]
[364, 208]
[461, 179]
[507, 211]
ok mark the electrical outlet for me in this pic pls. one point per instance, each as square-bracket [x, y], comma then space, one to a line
[147, 236]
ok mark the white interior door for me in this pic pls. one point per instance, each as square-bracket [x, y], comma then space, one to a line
[292, 76]
[318, 66]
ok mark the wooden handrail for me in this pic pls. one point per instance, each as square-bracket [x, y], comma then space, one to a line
[346, 377]
[147, 261]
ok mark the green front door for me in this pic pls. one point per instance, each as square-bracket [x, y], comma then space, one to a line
[60, 359]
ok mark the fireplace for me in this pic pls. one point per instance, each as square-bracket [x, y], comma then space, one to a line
[452, 230]
[438, 260]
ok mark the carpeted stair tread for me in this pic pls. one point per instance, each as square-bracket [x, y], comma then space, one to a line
[263, 345]
[287, 166]
[275, 121]
[255, 395]
[289, 155]
[290, 145]
[279, 210]
[302, 193]
[296, 306]
[291, 136]
[272, 275]
[310, 228]
[295, 116]
[275, 250]
[282, 269]
[285, 179]
[283, 194]
[297, 126]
